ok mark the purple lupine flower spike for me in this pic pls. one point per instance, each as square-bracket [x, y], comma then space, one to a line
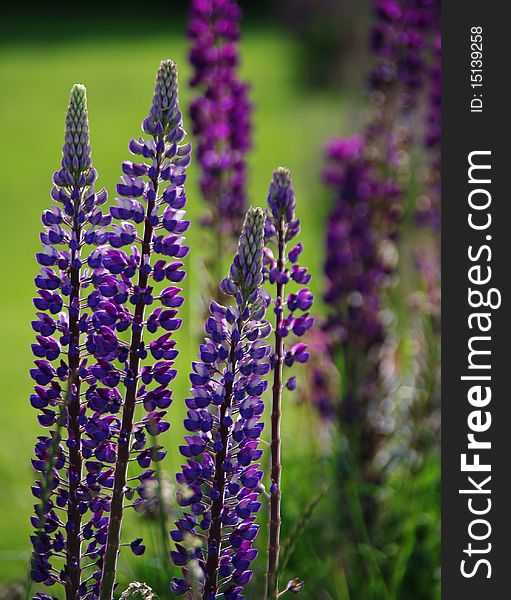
[403, 42]
[219, 482]
[291, 316]
[366, 173]
[220, 114]
[353, 266]
[61, 366]
[151, 220]
[358, 271]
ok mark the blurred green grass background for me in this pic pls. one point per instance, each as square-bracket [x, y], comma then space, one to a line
[291, 125]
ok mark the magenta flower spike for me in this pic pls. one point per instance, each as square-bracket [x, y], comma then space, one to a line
[291, 317]
[220, 114]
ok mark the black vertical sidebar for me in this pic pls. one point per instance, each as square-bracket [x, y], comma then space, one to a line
[476, 524]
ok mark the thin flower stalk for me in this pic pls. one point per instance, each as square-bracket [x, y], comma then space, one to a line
[220, 480]
[291, 316]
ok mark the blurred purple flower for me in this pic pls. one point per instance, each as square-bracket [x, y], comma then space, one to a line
[368, 174]
[220, 112]
[353, 267]
[428, 205]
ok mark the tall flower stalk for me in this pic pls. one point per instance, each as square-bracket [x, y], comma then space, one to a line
[152, 196]
[282, 227]
[355, 270]
[220, 116]
[219, 482]
[368, 173]
[70, 226]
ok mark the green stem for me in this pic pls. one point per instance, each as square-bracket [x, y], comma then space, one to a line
[162, 517]
[272, 579]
